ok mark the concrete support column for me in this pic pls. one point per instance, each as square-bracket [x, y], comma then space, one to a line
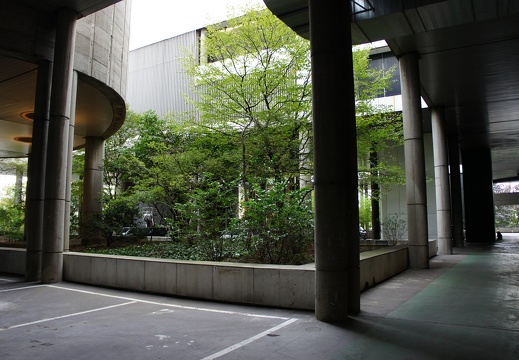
[36, 173]
[57, 149]
[68, 190]
[414, 162]
[456, 192]
[441, 180]
[335, 162]
[93, 179]
[479, 196]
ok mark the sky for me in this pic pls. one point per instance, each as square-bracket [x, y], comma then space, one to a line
[156, 20]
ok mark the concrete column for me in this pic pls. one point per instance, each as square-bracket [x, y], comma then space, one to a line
[93, 179]
[57, 149]
[414, 162]
[456, 192]
[335, 162]
[18, 185]
[36, 173]
[479, 196]
[73, 96]
[441, 180]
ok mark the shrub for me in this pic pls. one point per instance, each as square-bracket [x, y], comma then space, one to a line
[277, 227]
[394, 228]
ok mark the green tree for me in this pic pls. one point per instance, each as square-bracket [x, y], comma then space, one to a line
[120, 161]
[255, 86]
[379, 128]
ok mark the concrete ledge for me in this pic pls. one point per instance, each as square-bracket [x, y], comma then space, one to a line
[267, 285]
[379, 265]
[433, 248]
[12, 261]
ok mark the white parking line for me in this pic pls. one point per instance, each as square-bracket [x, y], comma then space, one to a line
[23, 288]
[173, 305]
[248, 341]
[66, 316]
[134, 300]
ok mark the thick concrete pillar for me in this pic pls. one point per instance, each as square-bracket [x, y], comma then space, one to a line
[335, 162]
[456, 192]
[57, 149]
[441, 181]
[68, 195]
[36, 173]
[93, 179]
[479, 196]
[414, 162]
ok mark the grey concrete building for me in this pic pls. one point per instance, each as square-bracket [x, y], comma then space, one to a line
[62, 85]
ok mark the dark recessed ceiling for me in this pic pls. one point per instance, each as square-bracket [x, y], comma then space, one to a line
[469, 62]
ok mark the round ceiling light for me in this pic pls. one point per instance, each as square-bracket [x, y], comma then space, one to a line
[24, 139]
[28, 115]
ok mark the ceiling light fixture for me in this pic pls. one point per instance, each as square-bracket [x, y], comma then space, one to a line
[24, 139]
[28, 115]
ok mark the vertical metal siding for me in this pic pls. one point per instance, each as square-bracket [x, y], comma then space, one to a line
[157, 79]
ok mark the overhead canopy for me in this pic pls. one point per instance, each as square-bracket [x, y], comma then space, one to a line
[26, 37]
[469, 56]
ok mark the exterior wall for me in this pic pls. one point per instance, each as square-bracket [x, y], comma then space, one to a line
[102, 43]
[157, 79]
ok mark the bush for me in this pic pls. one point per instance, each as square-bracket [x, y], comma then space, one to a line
[394, 228]
[12, 218]
[277, 227]
[116, 214]
[202, 220]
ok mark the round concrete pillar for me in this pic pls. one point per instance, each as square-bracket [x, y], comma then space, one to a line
[441, 181]
[68, 190]
[58, 147]
[335, 162]
[93, 180]
[479, 196]
[456, 191]
[414, 162]
[36, 173]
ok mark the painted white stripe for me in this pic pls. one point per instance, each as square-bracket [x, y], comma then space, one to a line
[248, 341]
[7, 280]
[66, 316]
[172, 305]
[23, 288]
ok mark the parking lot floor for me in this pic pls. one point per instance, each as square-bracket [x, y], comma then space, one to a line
[466, 306]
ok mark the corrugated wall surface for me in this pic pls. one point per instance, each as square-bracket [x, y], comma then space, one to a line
[157, 79]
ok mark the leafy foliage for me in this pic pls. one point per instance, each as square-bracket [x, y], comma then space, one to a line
[253, 135]
[12, 216]
[394, 227]
[257, 90]
[277, 227]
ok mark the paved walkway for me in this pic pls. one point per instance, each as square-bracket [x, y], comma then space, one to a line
[465, 307]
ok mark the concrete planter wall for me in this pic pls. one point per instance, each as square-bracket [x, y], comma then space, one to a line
[266, 285]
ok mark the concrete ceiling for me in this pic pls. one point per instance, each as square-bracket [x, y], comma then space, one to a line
[82, 7]
[17, 90]
[469, 56]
